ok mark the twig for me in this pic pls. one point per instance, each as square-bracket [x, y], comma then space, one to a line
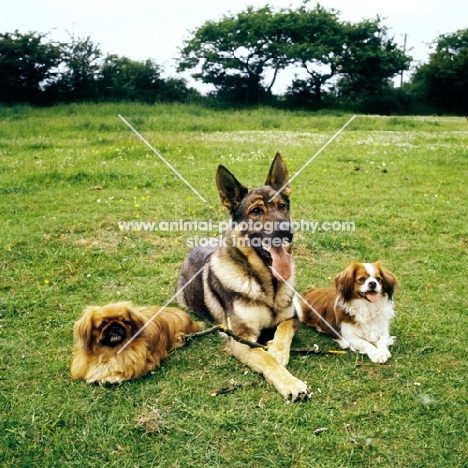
[320, 430]
[188, 338]
[232, 388]
[317, 350]
[251, 344]
[228, 332]
[241, 340]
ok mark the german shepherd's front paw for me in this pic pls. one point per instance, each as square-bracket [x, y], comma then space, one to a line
[280, 354]
[296, 389]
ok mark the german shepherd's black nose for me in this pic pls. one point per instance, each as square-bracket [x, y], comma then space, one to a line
[284, 231]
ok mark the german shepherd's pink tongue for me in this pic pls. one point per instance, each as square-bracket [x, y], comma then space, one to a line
[281, 265]
[372, 296]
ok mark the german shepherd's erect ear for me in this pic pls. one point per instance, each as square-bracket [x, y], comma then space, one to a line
[230, 189]
[278, 176]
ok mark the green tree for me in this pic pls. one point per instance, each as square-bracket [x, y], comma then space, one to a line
[242, 54]
[236, 53]
[27, 64]
[360, 55]
[370, 59]
[316, 41]
[124, 79]
[443, 81]
[81, 61]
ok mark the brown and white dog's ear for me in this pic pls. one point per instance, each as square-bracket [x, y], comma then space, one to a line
[230, 189]
[389, 280]
[344, 282]
[83, 328]
[278, 176]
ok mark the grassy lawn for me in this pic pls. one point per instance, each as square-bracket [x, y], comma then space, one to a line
[401, 181]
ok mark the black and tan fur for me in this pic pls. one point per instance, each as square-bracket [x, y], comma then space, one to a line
[239, 288]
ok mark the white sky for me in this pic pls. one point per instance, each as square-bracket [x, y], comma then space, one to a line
[142, 29]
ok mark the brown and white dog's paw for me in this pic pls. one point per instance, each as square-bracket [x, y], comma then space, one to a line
[379, 356]
[391, 341]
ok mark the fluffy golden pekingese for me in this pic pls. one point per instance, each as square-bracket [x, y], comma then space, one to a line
[111, 347]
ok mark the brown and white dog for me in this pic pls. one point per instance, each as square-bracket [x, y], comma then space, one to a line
[357, 311]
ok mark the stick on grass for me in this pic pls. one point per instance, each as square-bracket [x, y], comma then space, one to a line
[251, 344]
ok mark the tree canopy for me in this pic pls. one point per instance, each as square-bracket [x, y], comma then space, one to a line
[443, 81]
[27, 61]
[235, 53]
[242, 54]
[316, 41]
[121, 78]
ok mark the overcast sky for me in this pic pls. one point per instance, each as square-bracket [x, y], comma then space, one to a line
[142, 29]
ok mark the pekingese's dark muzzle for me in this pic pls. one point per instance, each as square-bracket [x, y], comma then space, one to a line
[113, 334]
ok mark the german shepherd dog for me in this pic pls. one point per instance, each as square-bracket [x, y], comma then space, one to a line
[243, 283]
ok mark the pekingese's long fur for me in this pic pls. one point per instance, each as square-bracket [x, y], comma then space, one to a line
[102, 332]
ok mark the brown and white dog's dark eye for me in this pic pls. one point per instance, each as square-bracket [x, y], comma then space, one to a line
[362, 279]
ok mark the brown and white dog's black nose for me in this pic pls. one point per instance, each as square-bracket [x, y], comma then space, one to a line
[372, 285]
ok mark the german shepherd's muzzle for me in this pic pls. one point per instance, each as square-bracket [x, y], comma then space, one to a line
[243, 285]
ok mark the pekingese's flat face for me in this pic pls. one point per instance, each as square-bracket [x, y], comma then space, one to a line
[110, 325]
[111, 331]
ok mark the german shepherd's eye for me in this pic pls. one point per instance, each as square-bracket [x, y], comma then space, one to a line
[256, 211]
[282, 206]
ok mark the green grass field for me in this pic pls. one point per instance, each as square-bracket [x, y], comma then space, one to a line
[401, 181]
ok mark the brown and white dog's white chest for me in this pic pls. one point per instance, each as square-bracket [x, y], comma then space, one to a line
[368, 321]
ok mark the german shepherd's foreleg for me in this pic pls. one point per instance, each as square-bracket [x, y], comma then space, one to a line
[279, 347]
[276, 374]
